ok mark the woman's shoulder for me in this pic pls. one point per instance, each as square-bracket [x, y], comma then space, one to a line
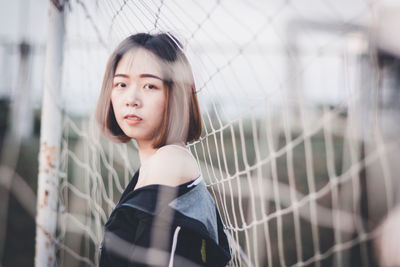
[172, 165]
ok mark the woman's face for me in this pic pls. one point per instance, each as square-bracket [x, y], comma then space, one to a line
[138, 95]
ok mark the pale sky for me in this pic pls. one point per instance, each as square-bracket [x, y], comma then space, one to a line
[259, 74]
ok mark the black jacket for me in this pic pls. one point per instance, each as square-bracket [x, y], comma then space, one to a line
[181, 226]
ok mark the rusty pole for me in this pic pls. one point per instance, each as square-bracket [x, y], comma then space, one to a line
[50, 137]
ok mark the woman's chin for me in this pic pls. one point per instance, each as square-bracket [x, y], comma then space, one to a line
[138, 137]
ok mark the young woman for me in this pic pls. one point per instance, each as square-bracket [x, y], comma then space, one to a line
[165, 216]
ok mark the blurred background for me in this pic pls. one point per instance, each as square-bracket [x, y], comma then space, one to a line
[301, 112]
[22, 45]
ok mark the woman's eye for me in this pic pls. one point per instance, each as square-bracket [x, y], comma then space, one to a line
[123, 85]
[149, 86]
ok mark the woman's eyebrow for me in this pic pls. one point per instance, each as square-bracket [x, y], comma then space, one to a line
[121, 75]
[147, 75]
[143, 75]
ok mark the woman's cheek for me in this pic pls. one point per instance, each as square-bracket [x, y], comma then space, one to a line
[115, 101]
[161, 104]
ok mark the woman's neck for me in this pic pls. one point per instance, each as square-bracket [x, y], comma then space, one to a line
[145, 152]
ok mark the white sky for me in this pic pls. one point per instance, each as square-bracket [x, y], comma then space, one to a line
[260, 75]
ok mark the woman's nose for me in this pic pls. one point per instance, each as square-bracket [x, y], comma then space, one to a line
[133, 97]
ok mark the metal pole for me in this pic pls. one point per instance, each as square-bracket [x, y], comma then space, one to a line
[47, 194]
[21, 106]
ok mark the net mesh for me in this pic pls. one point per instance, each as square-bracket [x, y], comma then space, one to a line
[298, 147]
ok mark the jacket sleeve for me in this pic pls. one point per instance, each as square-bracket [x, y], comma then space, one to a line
[131, 229]
[119, 235]
[201, 251]
[127, 237]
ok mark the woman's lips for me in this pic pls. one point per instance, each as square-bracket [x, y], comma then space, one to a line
[132, 119]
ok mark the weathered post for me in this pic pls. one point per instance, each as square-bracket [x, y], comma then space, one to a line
[47, 193]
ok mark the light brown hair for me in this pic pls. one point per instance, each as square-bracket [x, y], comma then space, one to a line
[182, 119]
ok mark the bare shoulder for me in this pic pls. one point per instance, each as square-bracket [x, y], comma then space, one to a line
[172, 166]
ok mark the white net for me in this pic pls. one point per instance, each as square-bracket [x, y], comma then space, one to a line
[300, 137]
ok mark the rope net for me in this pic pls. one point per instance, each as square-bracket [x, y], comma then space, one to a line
[299, 145]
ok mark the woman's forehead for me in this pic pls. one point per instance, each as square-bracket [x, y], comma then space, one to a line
[139, 61]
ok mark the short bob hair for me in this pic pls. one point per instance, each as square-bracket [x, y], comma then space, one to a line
[182, 118]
